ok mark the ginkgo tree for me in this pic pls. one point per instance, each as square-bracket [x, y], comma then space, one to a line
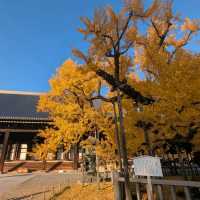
[76, 117]
[148, 37]
[176, 109]
[48, 146]
[151, 110]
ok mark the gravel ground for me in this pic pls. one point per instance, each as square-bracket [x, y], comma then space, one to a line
[88, 192]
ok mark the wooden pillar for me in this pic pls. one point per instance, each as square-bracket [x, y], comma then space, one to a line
[9, 151]
[187, 193]
[138, 191]
[118, 187]
[160, 193]
[173, 192]
[17, 152]
[29, 149]
[4, 150]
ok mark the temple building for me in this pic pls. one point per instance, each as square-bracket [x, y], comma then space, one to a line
[19, 125]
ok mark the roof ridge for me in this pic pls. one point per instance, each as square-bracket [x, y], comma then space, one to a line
[24, 118]
[20, 92]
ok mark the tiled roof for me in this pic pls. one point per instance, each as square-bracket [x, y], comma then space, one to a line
[16, 105]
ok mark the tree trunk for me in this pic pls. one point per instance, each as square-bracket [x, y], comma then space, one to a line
[44, 165]
[97, 160]
[123, 147]
[148, 143]
[117, 138]
[76, 156]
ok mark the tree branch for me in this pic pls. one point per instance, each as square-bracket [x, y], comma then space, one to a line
[124, 29]
[125, 88]
[125, 50]
[180, 46]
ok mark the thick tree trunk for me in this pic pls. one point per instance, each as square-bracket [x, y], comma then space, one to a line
[76, 156]
[117, 138]
[123, 147]
[148, 143]
[124, 87]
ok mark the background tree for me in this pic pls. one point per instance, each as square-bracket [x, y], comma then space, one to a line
[72, 107]
[176, 110]
[48, 146]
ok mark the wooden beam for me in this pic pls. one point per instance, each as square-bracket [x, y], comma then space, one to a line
[4, 150]
[164, 182]
[19, 130]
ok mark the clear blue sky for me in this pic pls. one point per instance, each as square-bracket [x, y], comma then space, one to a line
[36, 36]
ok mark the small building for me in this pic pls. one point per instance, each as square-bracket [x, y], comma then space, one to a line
[20, 123]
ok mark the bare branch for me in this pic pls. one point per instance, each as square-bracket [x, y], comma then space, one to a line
[180, 46]
[110, 38]
[125, 50]
[165, 33]
[124, 29]
[100, 97]
[156, 29]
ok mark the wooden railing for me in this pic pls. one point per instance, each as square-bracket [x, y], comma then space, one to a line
[162, 189]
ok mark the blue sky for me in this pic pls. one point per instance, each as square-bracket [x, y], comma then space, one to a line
[36, 36]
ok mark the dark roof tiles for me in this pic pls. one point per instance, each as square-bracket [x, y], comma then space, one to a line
[20, 105]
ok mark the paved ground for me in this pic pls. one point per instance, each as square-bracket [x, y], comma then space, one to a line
[22, 187]
[7, 183]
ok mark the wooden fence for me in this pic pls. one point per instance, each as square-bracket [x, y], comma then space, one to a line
[162, 189]
[177, 168]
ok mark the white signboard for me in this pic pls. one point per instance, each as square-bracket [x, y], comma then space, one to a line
[147, 166]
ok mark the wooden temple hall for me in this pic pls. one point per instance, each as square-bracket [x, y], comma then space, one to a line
[19, 125]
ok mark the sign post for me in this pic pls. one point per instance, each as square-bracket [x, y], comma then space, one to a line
[149, 188]
[148, 166]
